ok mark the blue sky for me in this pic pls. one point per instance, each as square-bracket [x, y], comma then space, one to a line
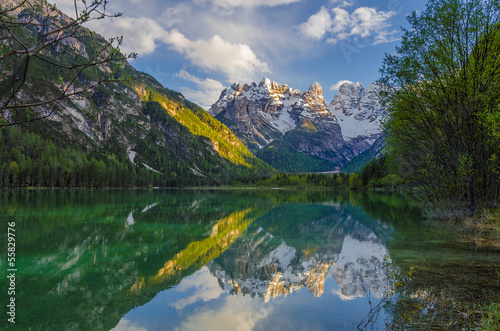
[199, 47]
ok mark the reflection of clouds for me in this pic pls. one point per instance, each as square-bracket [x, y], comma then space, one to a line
[206, 285]
[235, 313]
[338, 293]
[126, 325]
[359, 268]
[229, 313]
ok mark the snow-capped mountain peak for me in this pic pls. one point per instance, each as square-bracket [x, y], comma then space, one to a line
[277, 107]
[359, 111]
[261, 113]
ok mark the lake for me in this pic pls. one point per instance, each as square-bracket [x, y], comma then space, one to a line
[224, 259]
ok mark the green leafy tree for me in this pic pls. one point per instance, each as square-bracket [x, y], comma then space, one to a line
[14, 172]
[354, 181]
[443, 103]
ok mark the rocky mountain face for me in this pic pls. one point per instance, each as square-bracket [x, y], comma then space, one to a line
[281, 124]
[133, 119]
[263, 112]
[358, 111]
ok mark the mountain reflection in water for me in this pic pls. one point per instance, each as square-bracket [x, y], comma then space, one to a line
[189, 259]
[319, 265]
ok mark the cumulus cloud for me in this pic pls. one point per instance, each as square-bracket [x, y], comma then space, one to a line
[236, 61]
[142, 41]
[317, 25]
[127, 325]
[207, 83]
[337, 85]
[365, 22]
[208, 89]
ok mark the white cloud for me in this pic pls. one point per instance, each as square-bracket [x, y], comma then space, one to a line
[247, 3]
[126, 325]
[175, 15]
[208, 89]
[271, 36]
[207, 83]
[367, 20]
[342, 3]
[364, 23]
[140, 40]
[317, 25]
[336, 86]
[236, 61]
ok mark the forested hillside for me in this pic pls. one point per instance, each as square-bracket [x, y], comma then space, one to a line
[75, 113]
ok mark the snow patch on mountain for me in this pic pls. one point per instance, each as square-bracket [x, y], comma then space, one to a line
[359, 112]
[149, 168]
[283, 123]
[131, 156]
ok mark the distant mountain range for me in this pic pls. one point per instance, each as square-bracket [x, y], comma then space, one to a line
[297, 131]
[141, 127]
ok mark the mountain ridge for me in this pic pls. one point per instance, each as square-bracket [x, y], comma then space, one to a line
[173, 140]
[266, 114]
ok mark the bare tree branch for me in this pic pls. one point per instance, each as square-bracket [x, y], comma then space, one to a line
[15, 47]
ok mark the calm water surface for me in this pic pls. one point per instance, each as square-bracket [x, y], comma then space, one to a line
[211, 260]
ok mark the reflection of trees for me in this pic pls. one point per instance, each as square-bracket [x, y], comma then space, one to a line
[79, 258]
[199, 253]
